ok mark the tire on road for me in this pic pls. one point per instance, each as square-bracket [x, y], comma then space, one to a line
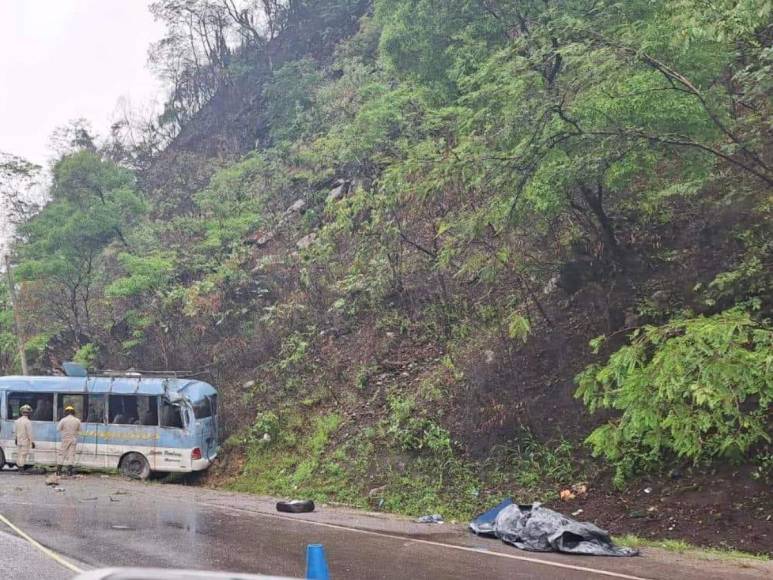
[295, 506]
[135, 466]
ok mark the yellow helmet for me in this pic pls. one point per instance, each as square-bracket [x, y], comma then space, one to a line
[69, 409]
[25, 409]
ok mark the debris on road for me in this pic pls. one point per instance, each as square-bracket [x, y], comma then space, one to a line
[538, 529]
[430, 519]
[567, 495]
[59, 489]
[577, 490]
[52, 479]
[580, 489]
[295, 506]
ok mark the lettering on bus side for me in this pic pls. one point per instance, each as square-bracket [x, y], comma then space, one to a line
[121, 435]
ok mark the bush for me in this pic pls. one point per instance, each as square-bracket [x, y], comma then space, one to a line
[699, 388]
[86, 355]
[265, 429]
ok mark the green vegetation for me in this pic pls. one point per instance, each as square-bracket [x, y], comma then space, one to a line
[700, 388]
[333, 461]
[387, 230]
[682, 547]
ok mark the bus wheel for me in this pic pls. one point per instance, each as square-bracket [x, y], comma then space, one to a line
[135, 466]
[2, 459]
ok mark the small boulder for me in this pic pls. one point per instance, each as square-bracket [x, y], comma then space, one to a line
[377, 491]
[306, 241]
[338, 192]
[297, 207]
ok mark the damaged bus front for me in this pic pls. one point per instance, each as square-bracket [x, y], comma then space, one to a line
[130, 422]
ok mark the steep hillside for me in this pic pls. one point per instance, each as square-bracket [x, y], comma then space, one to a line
[437, 253]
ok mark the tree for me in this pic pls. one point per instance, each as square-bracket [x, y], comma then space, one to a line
[698, 388]
[18, 180]
[93, 203]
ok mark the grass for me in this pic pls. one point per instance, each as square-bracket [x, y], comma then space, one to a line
[310, 459]
[412, 464]
[682, 547]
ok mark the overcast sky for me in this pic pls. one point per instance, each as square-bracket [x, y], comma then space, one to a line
[66, 59]
[62, 60]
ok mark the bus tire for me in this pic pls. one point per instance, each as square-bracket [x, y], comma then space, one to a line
[2, 458]
[135, 466]
[295, 506]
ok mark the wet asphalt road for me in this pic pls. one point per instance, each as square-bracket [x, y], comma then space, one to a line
[107, 521]
[20, 560]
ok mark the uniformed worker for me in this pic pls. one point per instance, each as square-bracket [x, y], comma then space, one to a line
[69, 426]
[24, 441]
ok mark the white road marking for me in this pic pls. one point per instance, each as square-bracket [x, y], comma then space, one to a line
[50, 553]
[481, 551]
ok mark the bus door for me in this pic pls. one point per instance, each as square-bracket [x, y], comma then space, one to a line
[205, 413]
[174, 443]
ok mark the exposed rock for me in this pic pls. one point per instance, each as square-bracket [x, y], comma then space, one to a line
[306, 241]
[297, 207]
[264, 239]
[338, 192]
[248, 385]
[551, 285]
[259, 239]
[631, 319]
[377, 491]
[660, 298]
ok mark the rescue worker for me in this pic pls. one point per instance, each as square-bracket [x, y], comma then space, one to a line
[69, 426]
[24, 440]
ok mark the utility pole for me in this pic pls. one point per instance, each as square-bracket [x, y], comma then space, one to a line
[16, 317]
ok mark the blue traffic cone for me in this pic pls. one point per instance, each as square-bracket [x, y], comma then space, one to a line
[316, 563]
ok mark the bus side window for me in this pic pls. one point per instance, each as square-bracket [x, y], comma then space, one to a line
[42, 405]
[96, 408]
[123, 409]
[148, 410]
[133, 410]
[77, 401]
[171, 415]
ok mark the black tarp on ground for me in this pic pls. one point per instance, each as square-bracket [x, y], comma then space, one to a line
[539, 529]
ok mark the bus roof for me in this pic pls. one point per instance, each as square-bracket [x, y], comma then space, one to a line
[121, 385]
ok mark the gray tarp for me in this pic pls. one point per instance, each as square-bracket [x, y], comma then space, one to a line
[539, 529]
